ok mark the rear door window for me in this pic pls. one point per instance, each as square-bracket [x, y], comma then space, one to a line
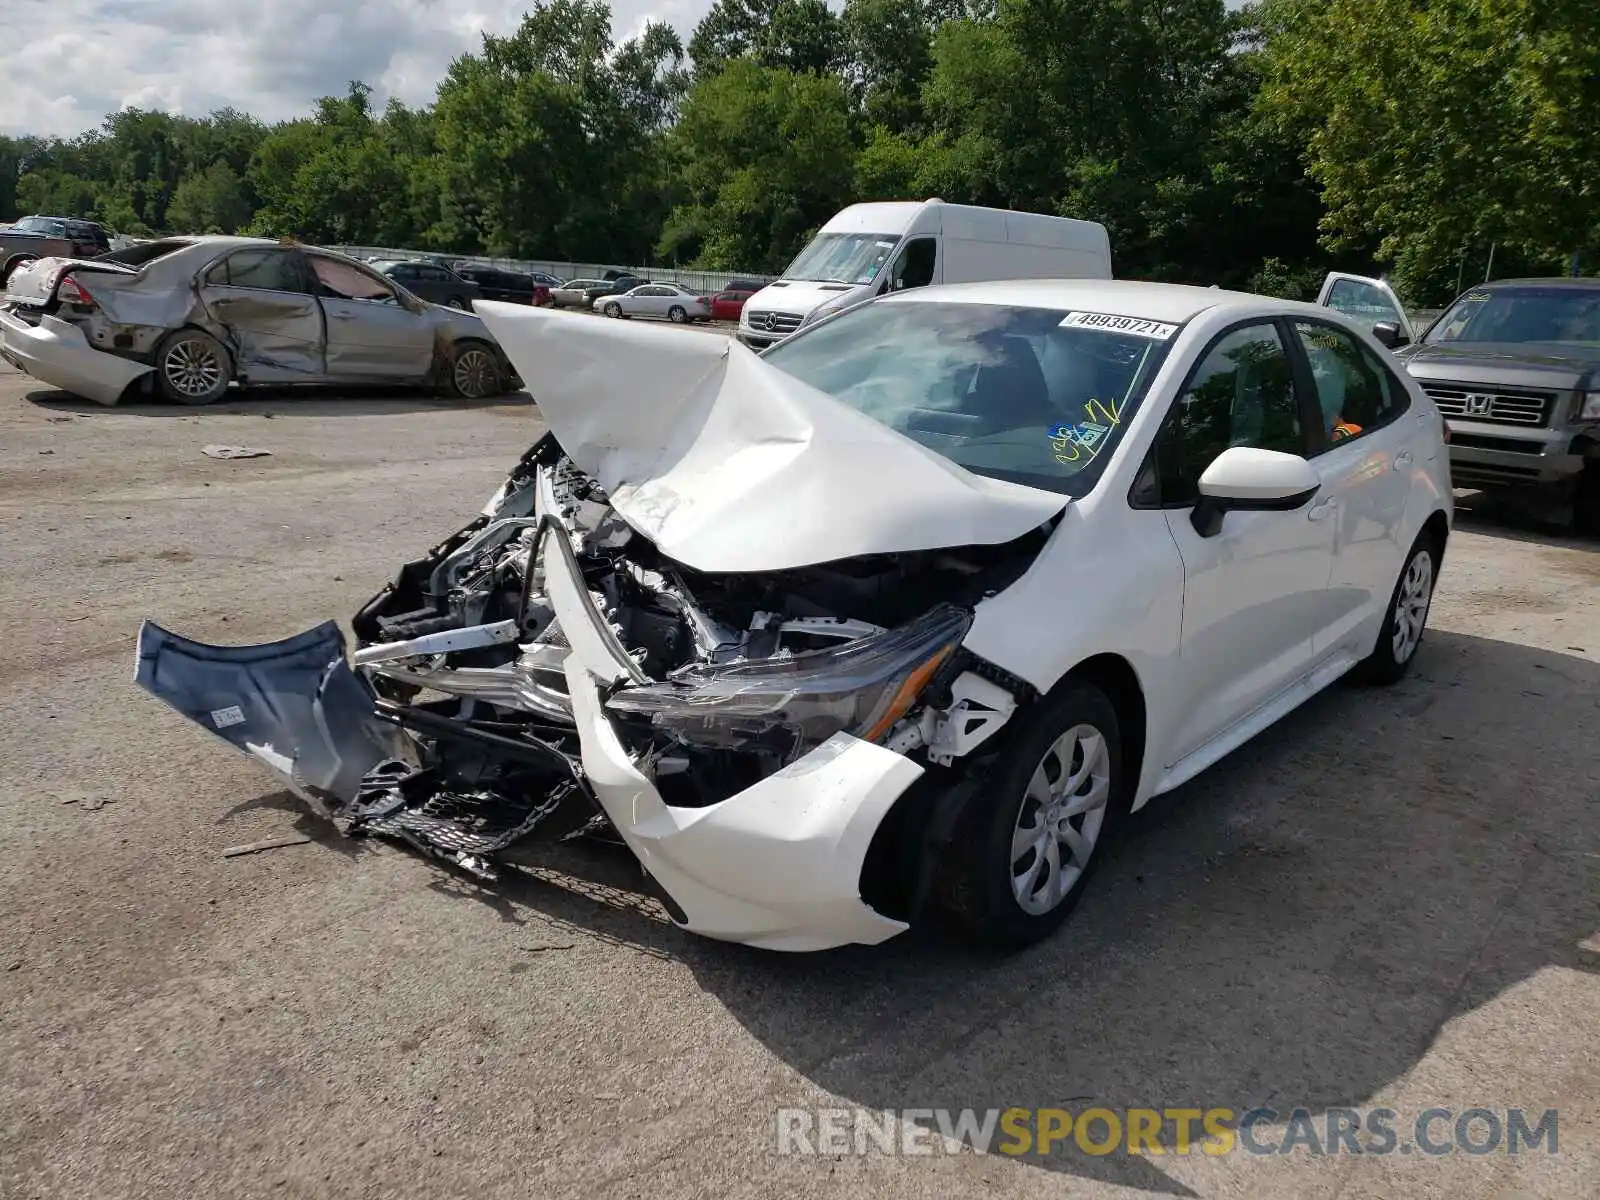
[266, 270]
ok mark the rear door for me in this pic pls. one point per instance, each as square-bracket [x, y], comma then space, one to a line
[263, 299]
[1367, 300]
[372, 334]
[1363, 450]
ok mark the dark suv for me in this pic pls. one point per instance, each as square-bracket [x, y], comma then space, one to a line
[1514, 367]
[88, 238]
[433, 282]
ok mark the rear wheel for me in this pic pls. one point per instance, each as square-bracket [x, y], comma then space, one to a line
[1026, 848]
[192, 367]
[474, 372]
[456, 302]
[677, 315]
[1407, 617]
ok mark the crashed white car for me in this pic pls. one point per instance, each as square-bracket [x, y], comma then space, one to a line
[903, 615]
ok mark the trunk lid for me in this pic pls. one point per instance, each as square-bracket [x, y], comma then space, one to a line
[35, 285]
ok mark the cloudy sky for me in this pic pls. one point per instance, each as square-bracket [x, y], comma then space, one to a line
[65, 64]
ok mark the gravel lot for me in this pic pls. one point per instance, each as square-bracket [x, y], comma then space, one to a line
[1392, 898]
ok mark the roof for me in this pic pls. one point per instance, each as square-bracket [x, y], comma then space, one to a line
[1169, 302]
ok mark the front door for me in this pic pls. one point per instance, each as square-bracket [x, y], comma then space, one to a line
[371, 332]
[1363, 457]
[1254, 592]
[262, 299]
[1369, 301]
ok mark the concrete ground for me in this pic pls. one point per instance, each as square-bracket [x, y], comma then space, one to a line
[1390, 899]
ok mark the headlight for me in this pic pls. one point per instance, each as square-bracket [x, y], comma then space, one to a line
[1591, 407]
[800, 701]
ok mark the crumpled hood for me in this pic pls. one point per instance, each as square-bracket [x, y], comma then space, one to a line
[729, 464]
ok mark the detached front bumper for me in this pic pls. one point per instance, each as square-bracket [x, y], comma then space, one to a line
[56, 352]
[777, 865]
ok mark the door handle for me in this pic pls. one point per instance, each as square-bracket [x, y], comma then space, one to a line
[339, 316]
[1402, 460]
[1323, 508]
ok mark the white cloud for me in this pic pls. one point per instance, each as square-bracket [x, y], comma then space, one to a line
[66, 64]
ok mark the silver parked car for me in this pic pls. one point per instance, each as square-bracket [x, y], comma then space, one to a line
[671, 301]
[194, 315]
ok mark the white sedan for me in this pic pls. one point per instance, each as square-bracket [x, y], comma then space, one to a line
[667, 301]
[905, 615]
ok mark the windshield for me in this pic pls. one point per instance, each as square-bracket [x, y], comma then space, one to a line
[1553, 315]
[1028, 395]
[843, 257]
[42, 225]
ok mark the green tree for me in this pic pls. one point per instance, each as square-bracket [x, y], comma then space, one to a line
[1433, 125]
[210, 201]
[765, 156]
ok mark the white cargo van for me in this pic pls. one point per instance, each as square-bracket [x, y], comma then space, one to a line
[869, 249]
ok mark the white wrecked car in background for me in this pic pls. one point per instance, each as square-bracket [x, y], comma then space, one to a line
[915, 607]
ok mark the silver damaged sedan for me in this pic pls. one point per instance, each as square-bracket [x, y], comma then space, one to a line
[187, 317]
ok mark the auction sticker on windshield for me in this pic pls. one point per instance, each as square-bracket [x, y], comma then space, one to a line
[1135, 326]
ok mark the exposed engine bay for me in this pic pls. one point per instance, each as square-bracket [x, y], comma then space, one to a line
[721, 680]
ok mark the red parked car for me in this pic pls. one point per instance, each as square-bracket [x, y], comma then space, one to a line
[726, 306]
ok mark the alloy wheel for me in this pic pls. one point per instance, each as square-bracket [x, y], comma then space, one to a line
[1060, 819]
[1411, 603]
[474, 373]
[192, 367]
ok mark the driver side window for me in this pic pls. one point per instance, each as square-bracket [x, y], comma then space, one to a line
[1241, 394]
[914, 266]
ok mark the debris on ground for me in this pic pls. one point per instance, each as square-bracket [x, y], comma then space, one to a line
[234, 452]
[297, 839]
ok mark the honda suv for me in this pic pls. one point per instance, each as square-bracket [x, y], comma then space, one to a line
[1514, 366]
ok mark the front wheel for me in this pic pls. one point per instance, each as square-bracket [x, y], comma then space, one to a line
[612, 310]
[474, 373]
[192, 367]
[1407, 617]
[457, 302]
[1025, 849]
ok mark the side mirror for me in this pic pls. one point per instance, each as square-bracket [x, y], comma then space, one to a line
[1247, 479]
[1388, 333]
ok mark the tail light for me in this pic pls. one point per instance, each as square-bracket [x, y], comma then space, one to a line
[702, 300]
[70, 291]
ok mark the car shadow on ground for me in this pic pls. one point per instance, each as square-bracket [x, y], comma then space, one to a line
[1293, 928]
[289, 401]
[1521, 517]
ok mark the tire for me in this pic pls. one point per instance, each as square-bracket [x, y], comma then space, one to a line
[457, 302]
[612, 310]
[192, 367]
[677, 315]
[1586, 503]
[997, 888]
[474, 372]
[1407, 617]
